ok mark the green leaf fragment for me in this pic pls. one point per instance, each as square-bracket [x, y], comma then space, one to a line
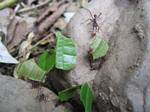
[66, 94]
[47, 60]
[86, 97]
[99, 48]
[29, 69]
[65, 52]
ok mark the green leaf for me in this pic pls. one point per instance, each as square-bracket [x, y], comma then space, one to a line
[86, 97]
[47, 60]
[65, 52]
[29, 69]
[67, 93]
[99, 48]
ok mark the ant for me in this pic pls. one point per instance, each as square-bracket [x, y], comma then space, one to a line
[93, 20]
[42, 97]
[95, 64]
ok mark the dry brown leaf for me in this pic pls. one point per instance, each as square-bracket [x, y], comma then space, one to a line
[5, 15]
[17, 31]
[25, 47]
[60, 24]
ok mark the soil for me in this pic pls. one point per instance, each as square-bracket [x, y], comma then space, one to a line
[128, 49]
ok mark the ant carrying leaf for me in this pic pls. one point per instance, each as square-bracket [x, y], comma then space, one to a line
[95, 64]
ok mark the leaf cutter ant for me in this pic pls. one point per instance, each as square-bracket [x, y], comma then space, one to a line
[42, 97]
[94, 21]
[95, 64]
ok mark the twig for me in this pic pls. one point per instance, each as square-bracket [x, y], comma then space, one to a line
[39, 42]
[51, 9]
[34, 7]
[47, 19]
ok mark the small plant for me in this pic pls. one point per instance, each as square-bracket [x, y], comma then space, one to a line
[86, 95]
[63, 57]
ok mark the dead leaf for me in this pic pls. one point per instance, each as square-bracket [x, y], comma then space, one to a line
[17, 31]
[5, 15]
[25, 47]
[60, 24]
[68, 16]
[83, 3]
[5, 57]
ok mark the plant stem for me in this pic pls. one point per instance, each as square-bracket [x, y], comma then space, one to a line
[34, 7]
[8, 3]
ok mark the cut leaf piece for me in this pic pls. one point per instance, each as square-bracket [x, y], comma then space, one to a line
[86, 97]
[30, 70]
[65, 52]
[5, 57]
[66, 94]
[47, 60]
[99, 48]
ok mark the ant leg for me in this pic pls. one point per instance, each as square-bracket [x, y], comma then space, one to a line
[87, 21]
[99, 15]
[45, 98]
[98, 28]
[103, 34]
[93, 28]
[89, 12]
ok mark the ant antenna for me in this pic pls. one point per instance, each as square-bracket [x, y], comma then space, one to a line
[88, 11]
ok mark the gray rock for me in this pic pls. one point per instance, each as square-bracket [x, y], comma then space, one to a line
[17, 96]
